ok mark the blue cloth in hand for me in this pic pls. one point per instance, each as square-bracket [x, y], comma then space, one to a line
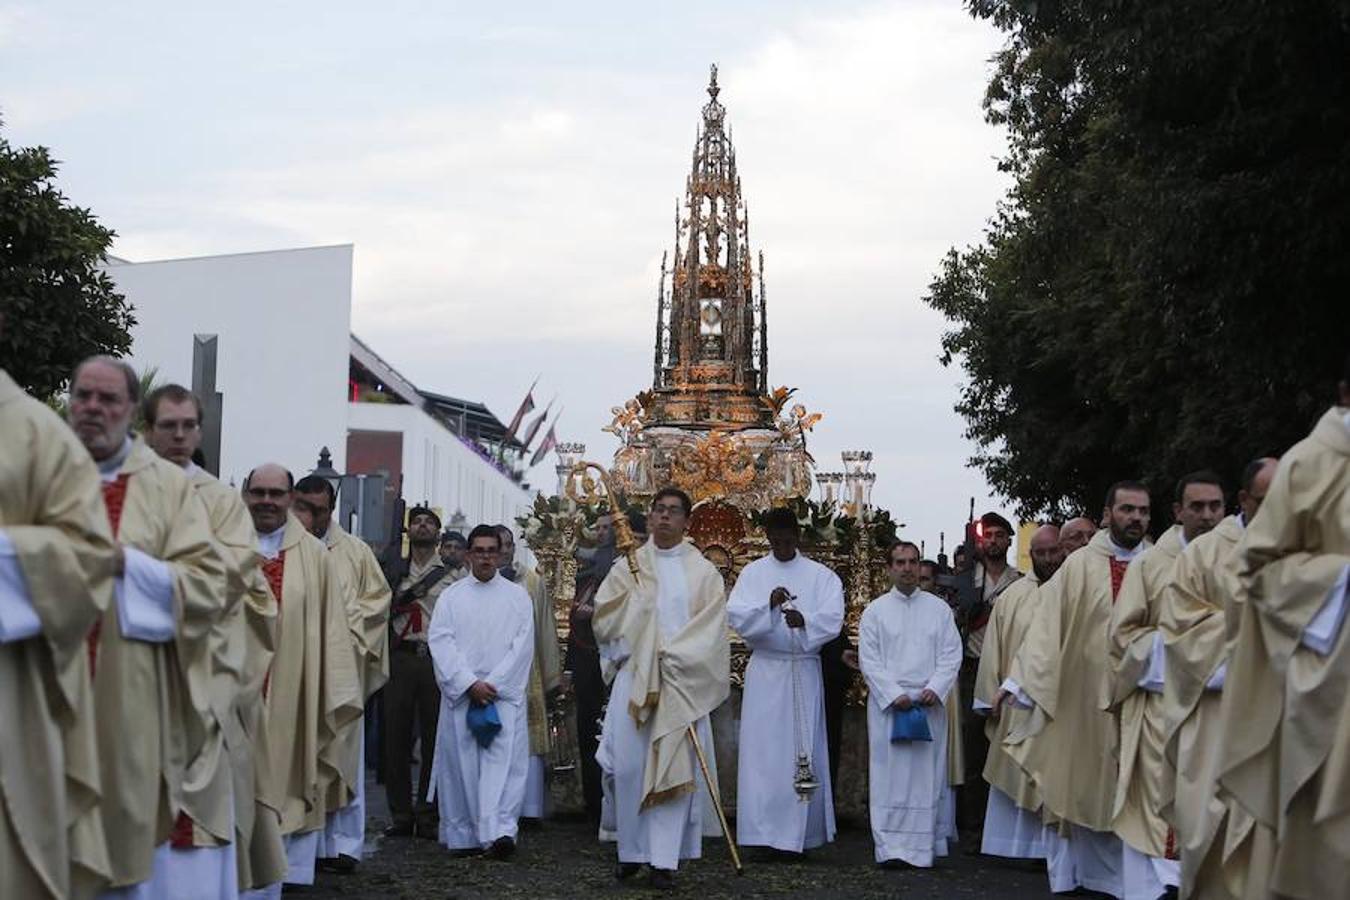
[484, 722]
[910, 725]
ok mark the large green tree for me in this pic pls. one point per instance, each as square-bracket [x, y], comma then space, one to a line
[1166, 284]
[57, 303]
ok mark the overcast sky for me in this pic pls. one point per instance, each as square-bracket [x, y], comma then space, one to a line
[508, 174]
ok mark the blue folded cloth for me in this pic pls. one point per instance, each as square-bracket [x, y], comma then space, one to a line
[484, 722]
[910, 725]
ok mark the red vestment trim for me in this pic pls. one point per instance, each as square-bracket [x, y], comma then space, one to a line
[274, 570]
[1118, 567]
[180, 838]
[114, 498]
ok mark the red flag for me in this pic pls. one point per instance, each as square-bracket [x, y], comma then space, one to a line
[550, 441]
[526, 406]
[534, 427]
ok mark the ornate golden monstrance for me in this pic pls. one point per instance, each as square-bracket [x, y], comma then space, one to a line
[710, 424]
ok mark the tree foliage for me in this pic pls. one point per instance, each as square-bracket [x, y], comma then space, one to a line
[1164, 287]
[57, 303]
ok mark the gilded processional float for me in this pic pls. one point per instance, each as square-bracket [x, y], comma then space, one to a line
[711, 425]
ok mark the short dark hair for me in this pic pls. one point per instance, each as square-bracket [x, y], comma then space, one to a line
[454, 536]
[290, 479]
[1250, 471]
[314, 484]
[781, 518]
[174, 393]
[994, 520]
[677, 494]
[930, 564]
[485, 531]
[133, 380]
[1200, 476]
[1127, 484]
[890, 551]
[504, 532]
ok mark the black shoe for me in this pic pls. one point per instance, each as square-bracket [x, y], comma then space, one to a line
[894, 865]
[662, 880]
[624, 871]
[399, 829]
[502, 848]
[341, 864]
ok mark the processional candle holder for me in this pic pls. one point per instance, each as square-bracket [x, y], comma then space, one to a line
[867, 480]
[569, 454]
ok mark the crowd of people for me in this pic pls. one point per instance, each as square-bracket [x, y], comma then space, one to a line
[187, 671]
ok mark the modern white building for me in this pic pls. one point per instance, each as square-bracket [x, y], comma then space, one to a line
[293, 379]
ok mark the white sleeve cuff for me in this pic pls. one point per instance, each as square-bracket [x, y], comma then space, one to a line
[979, 705]
[1215, 682]
[1320, 635]
[144, 597]
[1152, 679]
[1020, 697]
[18, 620]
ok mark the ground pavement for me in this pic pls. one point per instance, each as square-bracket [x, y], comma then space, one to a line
[563, 859]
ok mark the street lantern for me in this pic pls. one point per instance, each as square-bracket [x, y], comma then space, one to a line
[326, 471]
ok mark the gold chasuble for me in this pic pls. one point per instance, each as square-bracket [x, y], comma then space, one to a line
[675, 681]
[242, 643]
[1192, 625]
[366, 594]
[1134, 643]
[546, 672]
[1285, 755]
[51, 512]
[312, 689]
[1007, 627]
[1067, 745]
[153, 700]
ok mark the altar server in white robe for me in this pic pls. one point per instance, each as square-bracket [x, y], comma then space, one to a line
[785, 607]
[665, 629]
[910, 652]
[482, 642]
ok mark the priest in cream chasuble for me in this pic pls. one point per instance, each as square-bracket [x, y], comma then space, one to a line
[149, 655]
[1285, 754]
[662, 633]
[56, 579]
[312, 689]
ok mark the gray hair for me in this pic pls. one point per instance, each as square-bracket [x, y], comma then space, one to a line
[133, 380]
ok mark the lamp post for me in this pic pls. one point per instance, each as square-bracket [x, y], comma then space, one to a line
[355, 523]
[326, 471]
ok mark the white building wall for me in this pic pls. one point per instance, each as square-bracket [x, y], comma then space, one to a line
[439, 470]
[283, 319]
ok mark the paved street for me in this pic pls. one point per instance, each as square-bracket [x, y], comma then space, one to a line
[563, 859]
